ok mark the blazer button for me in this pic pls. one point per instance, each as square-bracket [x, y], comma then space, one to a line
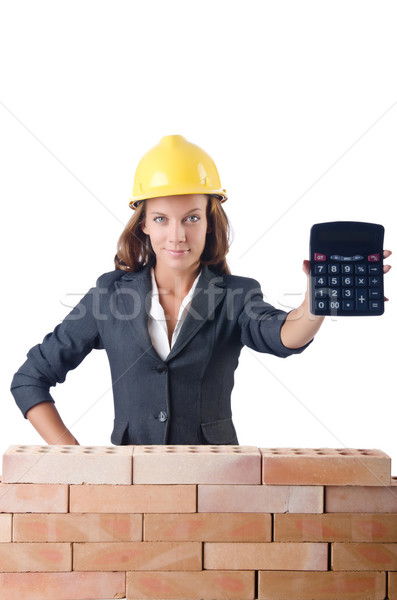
[161, 369]
[162, 416]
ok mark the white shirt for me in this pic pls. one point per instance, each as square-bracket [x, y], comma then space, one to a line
[158, 324]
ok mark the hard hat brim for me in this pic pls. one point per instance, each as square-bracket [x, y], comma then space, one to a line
[136, 201]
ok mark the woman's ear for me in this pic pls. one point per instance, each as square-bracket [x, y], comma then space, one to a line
[209, 229]
[143, 227]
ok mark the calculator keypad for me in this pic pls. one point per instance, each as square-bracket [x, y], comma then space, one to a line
[344, 285]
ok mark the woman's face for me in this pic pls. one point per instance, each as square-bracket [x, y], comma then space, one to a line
[177, 227]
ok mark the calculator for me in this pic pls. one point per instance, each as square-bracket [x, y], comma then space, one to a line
[346, 269]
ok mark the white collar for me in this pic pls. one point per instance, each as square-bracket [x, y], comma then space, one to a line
[157, 322]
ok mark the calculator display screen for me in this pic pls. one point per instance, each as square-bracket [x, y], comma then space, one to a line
[343, 236]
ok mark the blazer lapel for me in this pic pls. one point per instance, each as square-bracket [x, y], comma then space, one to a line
[133, 306]
[208, 294]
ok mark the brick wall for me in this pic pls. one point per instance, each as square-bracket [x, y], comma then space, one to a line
[197, 522]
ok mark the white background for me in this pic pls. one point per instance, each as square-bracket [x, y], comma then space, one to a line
[296, 102]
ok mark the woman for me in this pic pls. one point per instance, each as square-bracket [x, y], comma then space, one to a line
[171, 317]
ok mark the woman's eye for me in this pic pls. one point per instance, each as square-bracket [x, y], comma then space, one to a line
[159, 219]
[193, 218]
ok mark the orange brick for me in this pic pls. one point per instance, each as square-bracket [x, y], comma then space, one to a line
[255, 555]
[132, 499]
[335, 527]
[197, 464]
[27, 497]
[325, 466]
[209, 527]
[204, 585]
[68, 464]
[321, 586]
[364, 557]
[77, 528]
[350, 499]
[35, 557]
[260, 498]
[392, 586]
[138, 556]
[5, 528]
[61, 586]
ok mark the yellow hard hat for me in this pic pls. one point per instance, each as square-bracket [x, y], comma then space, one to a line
[175, 166]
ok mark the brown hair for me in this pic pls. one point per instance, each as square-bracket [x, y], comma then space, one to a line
[134, 249]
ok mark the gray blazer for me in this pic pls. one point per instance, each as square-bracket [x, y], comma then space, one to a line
[184, 399]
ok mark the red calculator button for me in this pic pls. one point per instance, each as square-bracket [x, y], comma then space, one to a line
[319, 257]
[374, 258]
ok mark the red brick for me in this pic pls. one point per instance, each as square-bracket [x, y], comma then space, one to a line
[61, 586]
[335, 527]
[392, 587]
[35, 557]
[255, 555]
[203, 585]
[77, 528]
[197, 464]
[351, 499]
[214, 527]
[321, 586]
[5, 528]
[138, 556]
[29, 497]
[364, 557]
[260, 498]
[68, 464]
[325, 466]
[132, 499]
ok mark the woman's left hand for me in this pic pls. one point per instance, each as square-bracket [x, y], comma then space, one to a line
[386, 268]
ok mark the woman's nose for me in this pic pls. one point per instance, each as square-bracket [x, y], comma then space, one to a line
[177, 233]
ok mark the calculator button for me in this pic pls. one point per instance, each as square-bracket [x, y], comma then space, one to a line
[374, 281]
[347, 293]
[334, 293]
[321, 304]
[361, 281]
[374, 269]
[347, 268]
[333, 269]
[374, 258]
[319, 257]
[320, 281]
[334, 304]
[321, 293]
[348, 305]
[374, 305]
[320, 269]
[348, 281]
[373, 293]
[361, 300]
[360, 269]
[333, 281]
[346, 258]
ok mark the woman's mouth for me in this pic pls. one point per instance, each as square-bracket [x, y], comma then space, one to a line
[176, 253]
